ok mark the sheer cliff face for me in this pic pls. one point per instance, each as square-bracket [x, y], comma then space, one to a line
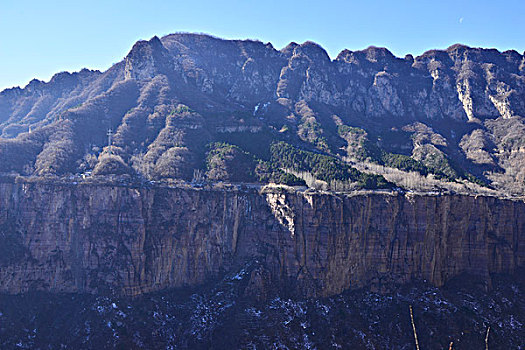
[130, 241]
[471, 99]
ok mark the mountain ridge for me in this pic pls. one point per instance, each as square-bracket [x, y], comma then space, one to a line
[285, 49]
[471, 99]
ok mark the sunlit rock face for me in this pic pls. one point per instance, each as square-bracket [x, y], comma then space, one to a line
[128, 241]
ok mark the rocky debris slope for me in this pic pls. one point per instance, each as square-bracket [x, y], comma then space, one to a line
[129, 241]
[221, 315]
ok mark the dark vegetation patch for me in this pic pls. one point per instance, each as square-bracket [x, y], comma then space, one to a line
[431, 160]
[323, 167]
[227, 162]
[110, 164]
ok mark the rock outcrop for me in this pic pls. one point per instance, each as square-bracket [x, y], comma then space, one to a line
[107, 239]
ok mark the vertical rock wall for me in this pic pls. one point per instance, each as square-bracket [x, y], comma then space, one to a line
[103, 239]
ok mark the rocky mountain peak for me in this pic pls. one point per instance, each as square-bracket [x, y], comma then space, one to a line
[458, 47]
[312, 50]
[289, 49]
[378, 54]
[146, 59]
[371, 56]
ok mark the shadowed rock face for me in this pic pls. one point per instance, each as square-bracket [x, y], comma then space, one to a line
[128, 241]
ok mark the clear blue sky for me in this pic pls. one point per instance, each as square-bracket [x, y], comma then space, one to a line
[39, 38]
